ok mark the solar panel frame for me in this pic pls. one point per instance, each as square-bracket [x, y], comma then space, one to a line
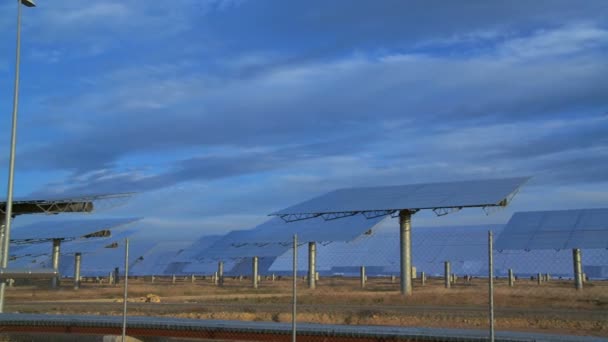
[67, 229]
[477, 193]
[556, 229]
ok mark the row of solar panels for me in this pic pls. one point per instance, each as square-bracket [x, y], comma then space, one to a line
[376, 247]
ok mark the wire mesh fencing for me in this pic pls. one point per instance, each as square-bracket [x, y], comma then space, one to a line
[358, 283]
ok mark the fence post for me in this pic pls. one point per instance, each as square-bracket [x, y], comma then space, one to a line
[125, 294]
[295, 282]
[491, 282]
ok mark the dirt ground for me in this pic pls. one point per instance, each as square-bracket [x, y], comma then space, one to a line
[551, 307]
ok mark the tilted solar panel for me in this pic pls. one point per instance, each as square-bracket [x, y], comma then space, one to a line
[477, 193]
[556, 229]
[316, 229]
[66, 229]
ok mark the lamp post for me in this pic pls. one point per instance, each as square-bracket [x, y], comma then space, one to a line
[11, 168]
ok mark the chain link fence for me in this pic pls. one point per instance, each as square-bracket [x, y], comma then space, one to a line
[357, 284]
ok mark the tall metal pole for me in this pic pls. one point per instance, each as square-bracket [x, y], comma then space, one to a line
[491, 282]
[312, 265]
[295, 282]
[125, 293]
[11, 168]
[405, 244]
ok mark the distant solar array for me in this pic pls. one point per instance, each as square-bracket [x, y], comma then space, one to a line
[557, 229]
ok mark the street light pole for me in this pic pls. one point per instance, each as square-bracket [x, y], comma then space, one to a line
[11, 168]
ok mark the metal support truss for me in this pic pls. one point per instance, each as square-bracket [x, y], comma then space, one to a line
[377, 213]
[335, 216]
[298, 217]
[66, 205]
[445, 211]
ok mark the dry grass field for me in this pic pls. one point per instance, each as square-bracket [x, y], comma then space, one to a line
[552, 307]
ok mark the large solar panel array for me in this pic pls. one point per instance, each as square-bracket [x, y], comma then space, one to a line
[478, 193]
[68, 229]
[464, 246]
[557, 229]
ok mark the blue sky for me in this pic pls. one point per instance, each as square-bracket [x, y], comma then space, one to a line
[220, 112]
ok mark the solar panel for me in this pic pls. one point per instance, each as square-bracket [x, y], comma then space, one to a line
[58, 204]
[557, 229]
[464, 246]
[104, 260]
[66, 229]
[157, 258]
[87, 246]
[316, 229]
[477, 193]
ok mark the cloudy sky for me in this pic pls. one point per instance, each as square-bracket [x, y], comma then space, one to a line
[220, 112]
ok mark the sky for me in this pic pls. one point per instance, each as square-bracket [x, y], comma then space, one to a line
[220, 112]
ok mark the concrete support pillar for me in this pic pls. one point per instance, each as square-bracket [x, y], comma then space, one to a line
[362, 276]
[273, 277]
[56, 251]
[511, 278]
[547, 277]
[539, 278]
[77, 261]
[192, 278]
[578, 269]
[173, 279]
[446, 274]
[152, 279]
[254, 272]
[393, 279]
[312, 265]
[220, 273]
[405, 249]
[422, 278]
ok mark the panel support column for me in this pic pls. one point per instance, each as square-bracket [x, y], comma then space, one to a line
[220, 273]
[362, 276]
[405, 248]
[447, 274]
[56, 250]
[312, 265]
[511, 278]
[77, 260]
[254, 276]
[578, 268]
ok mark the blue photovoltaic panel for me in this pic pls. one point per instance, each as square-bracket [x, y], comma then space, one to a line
[86, 246]
[105, 260]
[157, 258]
[316, 229]
[66, 229]
[233, 245]
[478, 193]
[464, 246]
[556, 229]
